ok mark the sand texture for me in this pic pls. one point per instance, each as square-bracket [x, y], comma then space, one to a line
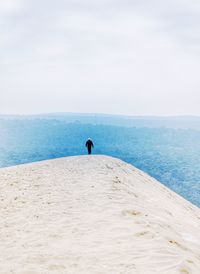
[94, 215]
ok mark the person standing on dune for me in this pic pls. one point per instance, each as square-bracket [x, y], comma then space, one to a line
[89, 144]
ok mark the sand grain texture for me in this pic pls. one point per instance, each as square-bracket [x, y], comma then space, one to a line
[94, 214]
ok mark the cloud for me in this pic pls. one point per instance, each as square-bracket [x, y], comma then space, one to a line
[10, 7]
[133, 57]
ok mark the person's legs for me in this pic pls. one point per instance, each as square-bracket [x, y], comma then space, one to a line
[89, 150]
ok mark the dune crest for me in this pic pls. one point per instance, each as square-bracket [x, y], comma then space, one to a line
[94, 214]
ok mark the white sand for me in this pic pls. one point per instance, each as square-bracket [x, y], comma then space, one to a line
[94, 214]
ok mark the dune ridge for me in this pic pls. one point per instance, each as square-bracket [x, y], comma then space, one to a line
[94, 214]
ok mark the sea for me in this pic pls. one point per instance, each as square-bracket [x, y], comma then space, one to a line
[167, 148]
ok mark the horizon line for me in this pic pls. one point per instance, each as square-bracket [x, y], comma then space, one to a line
[100, 114]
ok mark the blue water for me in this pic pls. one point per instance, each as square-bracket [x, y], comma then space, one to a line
[170, 155]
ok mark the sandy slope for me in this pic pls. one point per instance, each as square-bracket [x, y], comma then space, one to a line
[93, 215]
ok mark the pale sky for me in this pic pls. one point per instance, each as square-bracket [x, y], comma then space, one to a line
[134, 57]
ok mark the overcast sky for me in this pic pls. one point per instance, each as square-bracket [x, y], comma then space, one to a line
[136, 57]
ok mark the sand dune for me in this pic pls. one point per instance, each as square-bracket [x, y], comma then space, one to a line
[94, 215]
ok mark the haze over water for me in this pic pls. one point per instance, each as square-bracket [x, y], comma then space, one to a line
[166, 148]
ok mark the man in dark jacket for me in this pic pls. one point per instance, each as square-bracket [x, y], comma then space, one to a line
[89, 145]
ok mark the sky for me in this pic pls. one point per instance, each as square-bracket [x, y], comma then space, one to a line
[132, 57]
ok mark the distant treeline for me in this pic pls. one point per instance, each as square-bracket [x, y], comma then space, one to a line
[178, 122]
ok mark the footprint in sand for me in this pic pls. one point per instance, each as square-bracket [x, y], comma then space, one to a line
[177, 244]
[117, 180]
[131, 212]
[145, 234]
[184, 271]
[109, 167]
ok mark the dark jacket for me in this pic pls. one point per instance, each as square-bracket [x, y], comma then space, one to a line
[89, 144]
